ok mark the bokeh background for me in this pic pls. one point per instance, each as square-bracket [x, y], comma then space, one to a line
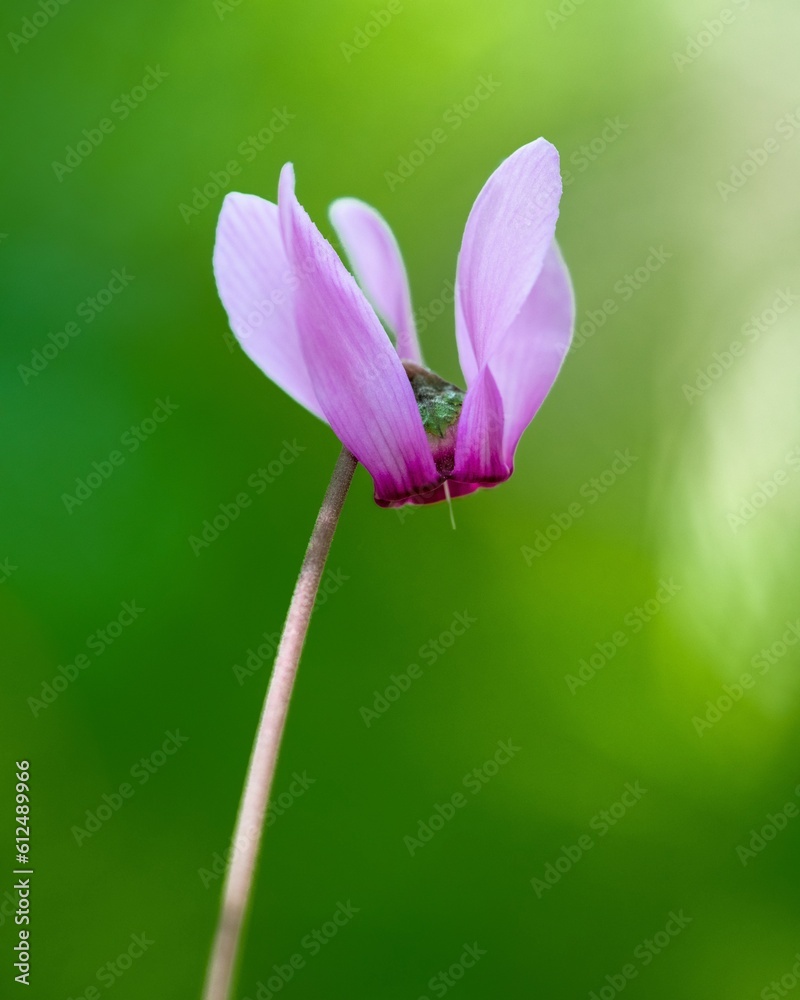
[677, 124]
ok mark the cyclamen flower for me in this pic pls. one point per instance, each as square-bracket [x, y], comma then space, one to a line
[301, 316]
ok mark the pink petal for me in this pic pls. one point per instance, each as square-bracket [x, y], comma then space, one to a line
[529, 358]
[357, 376]
[375, 258]
[255, 284]
[507, 235]
[438, 495]
[479, 445]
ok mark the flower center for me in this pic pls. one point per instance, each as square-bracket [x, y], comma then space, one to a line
[439, 405]
[439, 402]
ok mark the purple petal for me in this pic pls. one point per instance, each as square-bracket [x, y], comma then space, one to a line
[507, 235]
[529, 358]
[255, 284]
[375, 258]
[479, 446]
[357, 376]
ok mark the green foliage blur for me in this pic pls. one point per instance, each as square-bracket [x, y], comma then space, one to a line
[631, 593]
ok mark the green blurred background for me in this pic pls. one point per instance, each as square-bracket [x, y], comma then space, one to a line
[654, 112]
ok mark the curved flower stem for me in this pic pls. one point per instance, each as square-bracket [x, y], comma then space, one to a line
[250, 820]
